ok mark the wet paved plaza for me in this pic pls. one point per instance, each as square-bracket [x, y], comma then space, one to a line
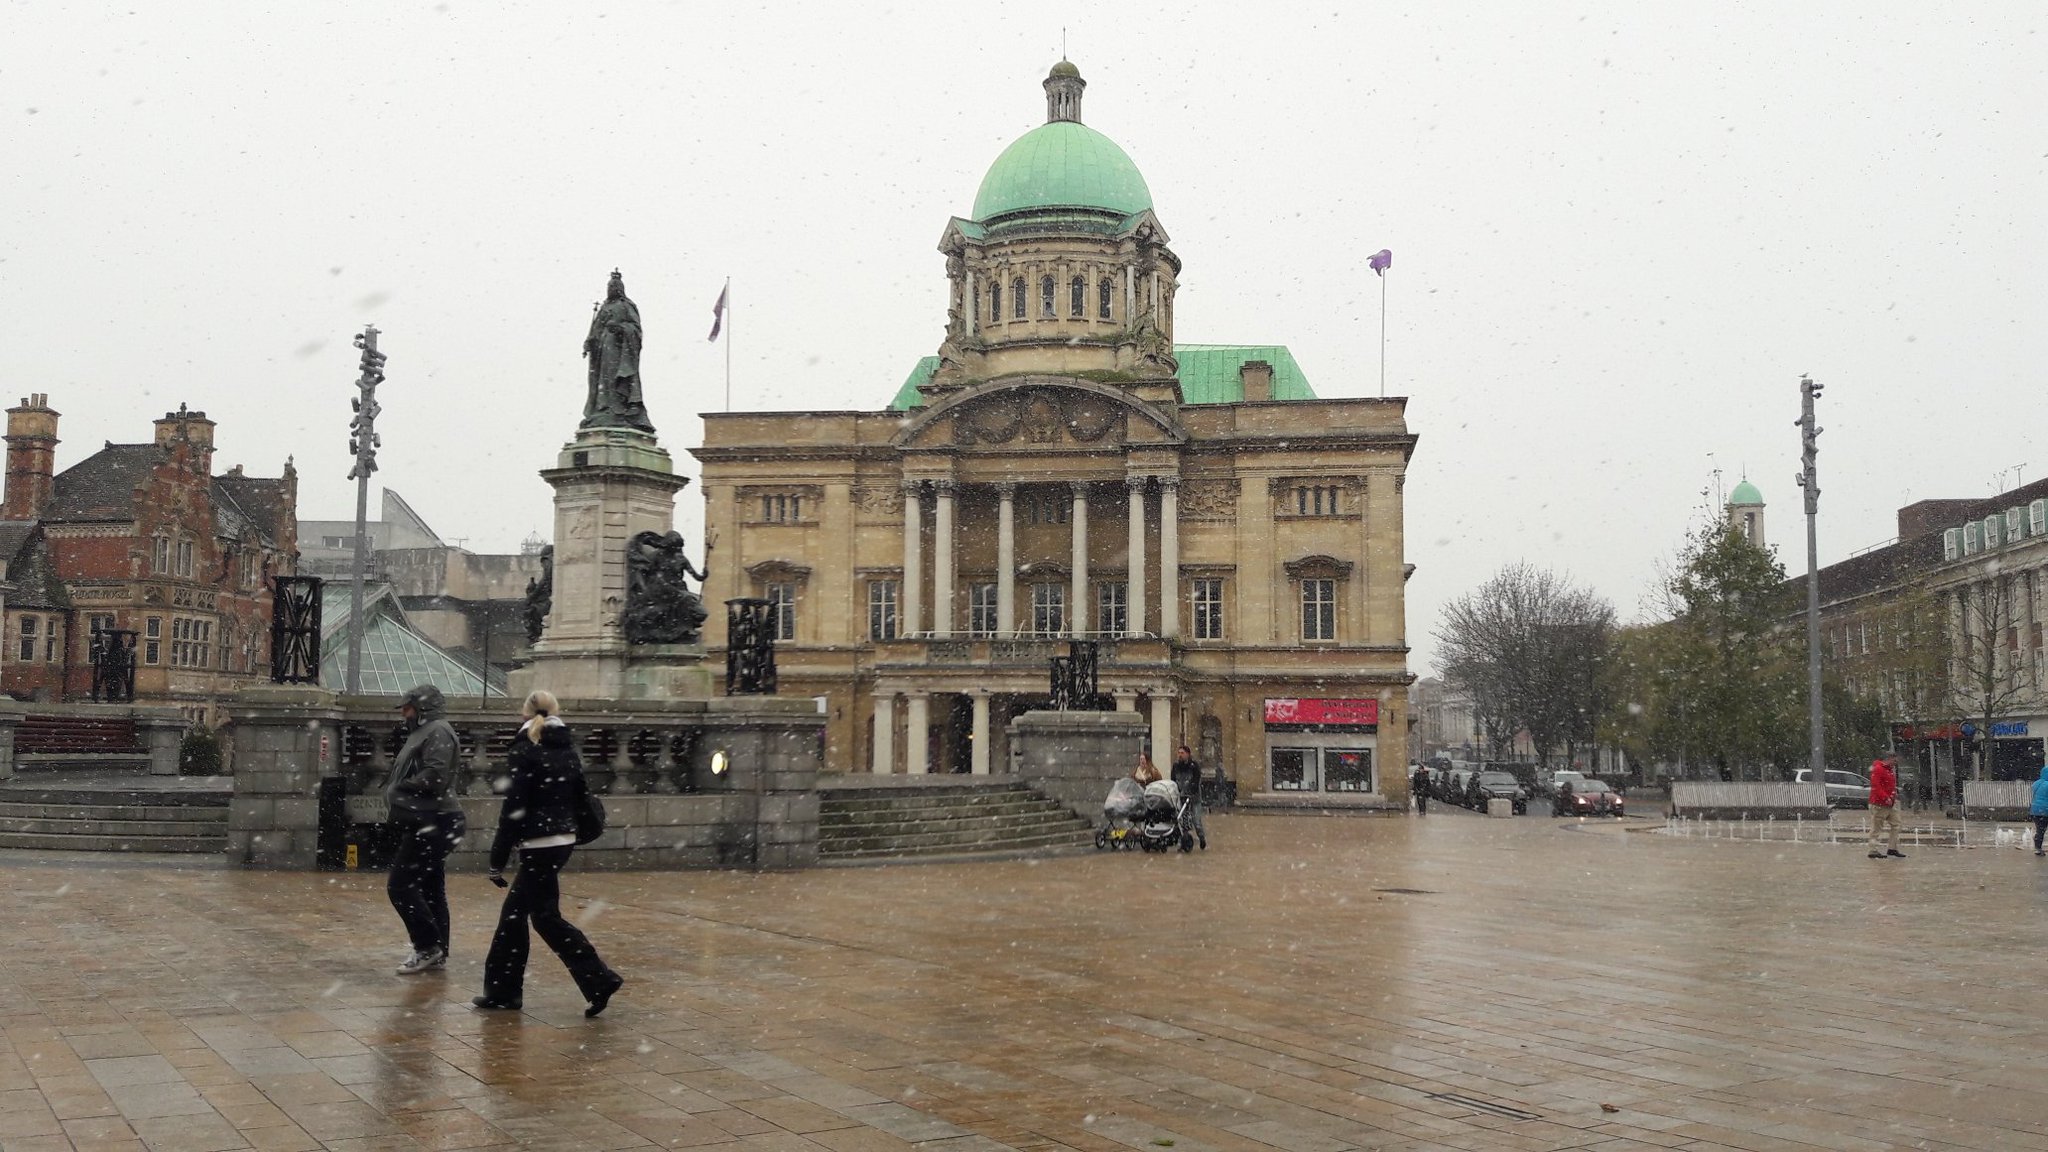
[1310, 984]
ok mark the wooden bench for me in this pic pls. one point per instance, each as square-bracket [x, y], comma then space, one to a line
[74, 736]
[1730, 800]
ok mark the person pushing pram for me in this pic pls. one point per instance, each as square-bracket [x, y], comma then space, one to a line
[1147, 809]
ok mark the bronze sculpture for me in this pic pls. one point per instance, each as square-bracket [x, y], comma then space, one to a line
[613, 349]
[660, 608]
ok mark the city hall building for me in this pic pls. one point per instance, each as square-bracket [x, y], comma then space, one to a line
[1062, 469]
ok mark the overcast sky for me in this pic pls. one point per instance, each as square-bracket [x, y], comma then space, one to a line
[1621, 232]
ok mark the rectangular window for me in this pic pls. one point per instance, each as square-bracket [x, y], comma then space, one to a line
[1048, 609]
[783, 598]
[28, 639]
[184, 557]
[1208, 608]
[1294, 770]
[2037, 518]
[160, 555]
[981, 609]
[1347, 769]
[1112, 607]
[1318, 609]
[152, 640]
[882, 610]
[50, 643]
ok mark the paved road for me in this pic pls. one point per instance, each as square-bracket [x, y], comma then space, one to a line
[1310, 984]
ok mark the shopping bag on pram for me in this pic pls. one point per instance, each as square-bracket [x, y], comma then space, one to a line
[1125, 797]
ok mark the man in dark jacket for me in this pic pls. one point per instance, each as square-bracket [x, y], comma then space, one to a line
[428, 823]
[1418, 785]
[1186, 775]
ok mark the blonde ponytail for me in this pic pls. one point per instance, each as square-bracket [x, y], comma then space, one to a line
[540, 704]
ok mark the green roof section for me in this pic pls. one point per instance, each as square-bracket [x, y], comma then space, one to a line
[1208, 375]
[1062, 165]
[1745, 493]
[1209, 372]
[395, 657]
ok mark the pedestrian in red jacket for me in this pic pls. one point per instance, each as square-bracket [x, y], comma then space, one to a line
[1884, 806]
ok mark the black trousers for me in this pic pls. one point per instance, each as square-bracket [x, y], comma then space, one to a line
[2040, 830]
[418, 885]
[536, 896]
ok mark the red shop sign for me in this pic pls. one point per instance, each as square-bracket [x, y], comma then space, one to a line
[1349, 712]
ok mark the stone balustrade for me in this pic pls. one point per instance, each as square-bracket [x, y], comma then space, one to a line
[652, 761]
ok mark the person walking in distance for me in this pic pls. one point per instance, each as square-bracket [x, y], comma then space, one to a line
[1187, 777]
[1419, 785]
[1884, 806]
[428, 823]
[539, 819]
[2039, 811]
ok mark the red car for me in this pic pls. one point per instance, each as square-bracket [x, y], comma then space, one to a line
[1588, 798]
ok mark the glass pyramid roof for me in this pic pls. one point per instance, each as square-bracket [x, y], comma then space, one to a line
[396, 658]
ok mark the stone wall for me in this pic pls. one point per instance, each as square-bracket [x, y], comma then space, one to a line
[761, 811]
[1073, 757]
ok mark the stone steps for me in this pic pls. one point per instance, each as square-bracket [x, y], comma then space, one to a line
[57, 818]
[951, 819]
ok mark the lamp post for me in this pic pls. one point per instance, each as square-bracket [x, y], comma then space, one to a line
[363, 443]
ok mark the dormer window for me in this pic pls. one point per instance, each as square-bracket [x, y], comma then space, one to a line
[1017, 298]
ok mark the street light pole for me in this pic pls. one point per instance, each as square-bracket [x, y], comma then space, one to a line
[1809, 482]
[363, 443]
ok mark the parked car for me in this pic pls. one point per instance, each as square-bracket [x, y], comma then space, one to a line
[1845, 789]
[1559, 779]
[1584, 797]
[1487, 786]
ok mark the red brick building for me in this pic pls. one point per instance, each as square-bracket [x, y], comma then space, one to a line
[142, 537]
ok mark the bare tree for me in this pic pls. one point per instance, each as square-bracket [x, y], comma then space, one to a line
[1988, 678]
[1528, 647]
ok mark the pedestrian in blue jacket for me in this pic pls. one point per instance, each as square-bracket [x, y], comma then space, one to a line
[2040, 811]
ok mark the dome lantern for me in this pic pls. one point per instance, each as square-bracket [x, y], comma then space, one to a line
[1063, 87]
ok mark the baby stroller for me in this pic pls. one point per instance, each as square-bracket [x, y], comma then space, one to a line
[1120, 811]
[1166, 818]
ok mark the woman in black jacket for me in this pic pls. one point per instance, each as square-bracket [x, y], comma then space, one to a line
[539, 818]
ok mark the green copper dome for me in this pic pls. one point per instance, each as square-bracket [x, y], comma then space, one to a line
[1063, 164]
[1745, 493]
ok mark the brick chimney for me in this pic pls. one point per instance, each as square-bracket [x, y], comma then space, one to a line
[1257, 378]
[187, 427]
[31, 458]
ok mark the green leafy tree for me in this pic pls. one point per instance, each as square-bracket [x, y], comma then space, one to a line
[1731, 668]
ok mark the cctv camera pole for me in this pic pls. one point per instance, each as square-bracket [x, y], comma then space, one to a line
[1809, 481]
[363, 443]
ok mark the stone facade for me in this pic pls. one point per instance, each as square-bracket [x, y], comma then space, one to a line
[1237, 555]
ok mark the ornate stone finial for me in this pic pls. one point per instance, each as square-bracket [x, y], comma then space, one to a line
[1063, 94]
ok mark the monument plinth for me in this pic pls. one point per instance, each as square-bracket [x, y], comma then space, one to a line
[618, 624]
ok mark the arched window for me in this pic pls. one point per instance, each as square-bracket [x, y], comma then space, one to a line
[995, 303]
[1107, 289]
[1045, 297]
[1078, 297]
[1017, 298]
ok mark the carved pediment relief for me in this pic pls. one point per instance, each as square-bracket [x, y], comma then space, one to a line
[1318, 567]
[1208, 499]
[1034, 411]
[879, 499]
[780, 571]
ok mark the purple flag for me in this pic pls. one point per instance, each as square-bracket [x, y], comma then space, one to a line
[718, 312]
[1380, 261]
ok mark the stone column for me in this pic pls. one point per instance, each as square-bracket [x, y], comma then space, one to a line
[942, 562]
[917, 737]
[913, 559]
[885, 733]
[163, 736]
[1077, 611]
[1162, 729]
[1006, 561]
[979, 758]
[1169, 556]
[286, 740]
[1135, 586]
[11, 713]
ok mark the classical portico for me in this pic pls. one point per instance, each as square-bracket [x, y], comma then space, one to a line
[1060, 470]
